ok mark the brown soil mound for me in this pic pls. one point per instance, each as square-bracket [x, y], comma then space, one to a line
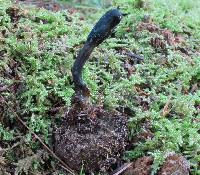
[142, 166]
[91, 137]
[173, 165]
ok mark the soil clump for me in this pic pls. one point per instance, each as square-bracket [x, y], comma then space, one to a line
[91, 137]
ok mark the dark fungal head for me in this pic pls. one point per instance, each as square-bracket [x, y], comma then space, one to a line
[104, 27]
[117, 16]
[114, 17]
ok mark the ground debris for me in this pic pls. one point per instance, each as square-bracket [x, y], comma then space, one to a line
[165, 38]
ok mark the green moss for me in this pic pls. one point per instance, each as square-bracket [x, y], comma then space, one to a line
[44, 45]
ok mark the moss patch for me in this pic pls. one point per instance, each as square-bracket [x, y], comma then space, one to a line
[160, 94]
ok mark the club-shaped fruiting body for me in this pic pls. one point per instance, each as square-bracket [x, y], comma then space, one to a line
[99, 33]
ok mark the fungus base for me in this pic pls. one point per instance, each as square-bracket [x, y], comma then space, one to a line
[92, 138]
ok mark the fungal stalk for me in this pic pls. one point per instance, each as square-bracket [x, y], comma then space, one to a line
[99, 33]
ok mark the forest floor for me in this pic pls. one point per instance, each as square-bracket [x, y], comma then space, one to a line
[159, 95]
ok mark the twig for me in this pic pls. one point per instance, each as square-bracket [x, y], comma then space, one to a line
[123, 168]
[134, 56]
[65, 167]
[166, 109]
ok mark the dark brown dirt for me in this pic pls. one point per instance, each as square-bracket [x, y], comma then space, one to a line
[173, 165]
[142, 166]
[91, 137]
[176, 165]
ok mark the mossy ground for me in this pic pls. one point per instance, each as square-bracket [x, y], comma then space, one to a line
[161, 94]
